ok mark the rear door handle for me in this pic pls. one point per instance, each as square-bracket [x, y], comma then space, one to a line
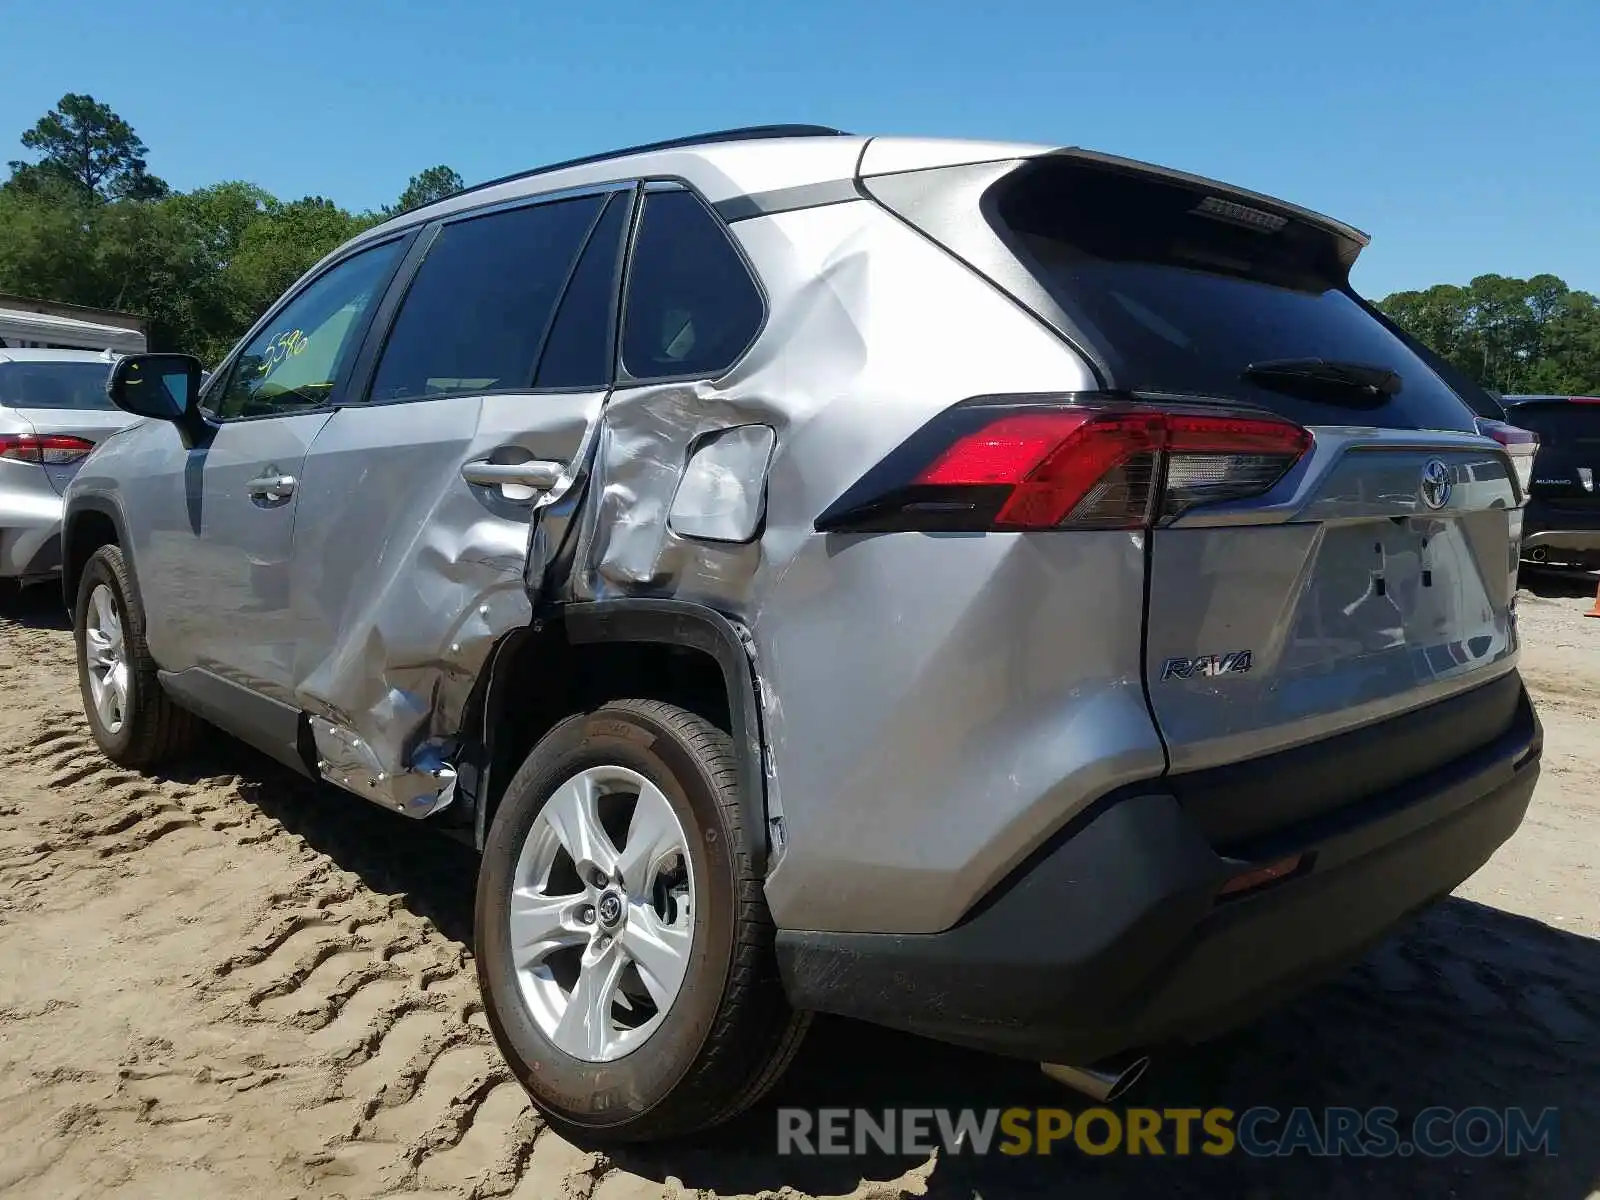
[539, 475]
[271, 487]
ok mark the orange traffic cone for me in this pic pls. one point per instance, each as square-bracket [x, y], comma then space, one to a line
[1595, 611]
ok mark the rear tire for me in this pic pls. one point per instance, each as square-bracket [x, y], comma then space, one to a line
[727, 1034]
[133, 720]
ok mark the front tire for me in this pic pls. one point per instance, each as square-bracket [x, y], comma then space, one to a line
[624, 947]
[133, 720]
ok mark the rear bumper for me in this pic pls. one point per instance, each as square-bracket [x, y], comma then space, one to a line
[1556, 533]
[30, 535]
[1111, 938]
[1578, 541]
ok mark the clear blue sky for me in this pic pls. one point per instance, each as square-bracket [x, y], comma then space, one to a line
[1463, 135]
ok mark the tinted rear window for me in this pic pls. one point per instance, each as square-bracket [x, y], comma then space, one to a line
[476, 314]
[54, 385]
[692, 308]
[1178, 301]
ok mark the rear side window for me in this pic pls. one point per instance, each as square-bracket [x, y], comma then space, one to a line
[692, 308]
[578, 351]
[476, 314]
[54, 385]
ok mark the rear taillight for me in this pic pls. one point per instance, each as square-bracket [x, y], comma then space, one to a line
[49, 449]
[1080, 463]
[1054, 463]
[1521, 444]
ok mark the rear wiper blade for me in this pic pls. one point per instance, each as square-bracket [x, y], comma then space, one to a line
[1363, 379]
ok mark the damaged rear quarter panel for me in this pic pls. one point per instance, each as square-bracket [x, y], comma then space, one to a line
[870, 333]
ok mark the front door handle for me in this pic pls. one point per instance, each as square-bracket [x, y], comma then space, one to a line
[539, 475]
[271, 487]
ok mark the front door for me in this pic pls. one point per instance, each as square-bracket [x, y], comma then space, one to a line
[416, 507]
[216, 564]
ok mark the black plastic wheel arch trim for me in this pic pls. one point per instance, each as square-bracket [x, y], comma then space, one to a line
[696, 627]
[101, 506]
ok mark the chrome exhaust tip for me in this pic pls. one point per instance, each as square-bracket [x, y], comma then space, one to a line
[1104, 1081]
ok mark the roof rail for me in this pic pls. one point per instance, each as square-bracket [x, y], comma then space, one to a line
[748, 133]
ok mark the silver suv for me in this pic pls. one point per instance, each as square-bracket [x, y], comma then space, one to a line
[1015, 595]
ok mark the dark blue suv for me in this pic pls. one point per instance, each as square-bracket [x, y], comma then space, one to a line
[1561, 524]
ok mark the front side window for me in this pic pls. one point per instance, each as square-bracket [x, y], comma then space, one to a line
[477, 312]
[293, 364]
[692, 308]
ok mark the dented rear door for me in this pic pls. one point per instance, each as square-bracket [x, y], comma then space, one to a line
[418, 506]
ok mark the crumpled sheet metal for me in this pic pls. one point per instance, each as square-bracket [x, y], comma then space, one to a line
[429, 631]
[398, 682]
[457, 580]
[647, 435]
[403, 663]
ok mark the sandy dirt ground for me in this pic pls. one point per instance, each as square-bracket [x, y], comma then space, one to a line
[230, 982]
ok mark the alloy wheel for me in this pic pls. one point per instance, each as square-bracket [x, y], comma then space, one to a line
[106, 655]
[602, 913]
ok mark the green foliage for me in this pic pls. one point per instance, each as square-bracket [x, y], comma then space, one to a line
[85, 145]
[87, 224]
[433, 184]
[1511, 335]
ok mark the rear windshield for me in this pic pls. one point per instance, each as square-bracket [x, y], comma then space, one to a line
[1180, 292]
[1560, 424]
[54, 385]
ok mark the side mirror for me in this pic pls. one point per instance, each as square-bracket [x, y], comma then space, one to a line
[163, 386]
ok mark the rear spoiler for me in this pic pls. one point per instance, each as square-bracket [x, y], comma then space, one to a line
[1352, 240]
[1513, 403]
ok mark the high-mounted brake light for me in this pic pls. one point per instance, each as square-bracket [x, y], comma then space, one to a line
[1032, 466]
[48, 449]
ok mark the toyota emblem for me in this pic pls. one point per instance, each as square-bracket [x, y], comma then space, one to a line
[1435, 484]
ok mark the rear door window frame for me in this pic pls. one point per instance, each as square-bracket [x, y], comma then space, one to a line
[388, 310]
[627, 201]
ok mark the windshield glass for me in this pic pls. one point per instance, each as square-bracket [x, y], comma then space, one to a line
[54, 385]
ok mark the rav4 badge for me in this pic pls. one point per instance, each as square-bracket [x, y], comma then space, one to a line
[1235, 663]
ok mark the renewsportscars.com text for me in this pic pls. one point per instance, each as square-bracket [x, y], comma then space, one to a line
[1258, 1132]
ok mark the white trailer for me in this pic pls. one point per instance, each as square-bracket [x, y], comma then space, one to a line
[44, 324]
